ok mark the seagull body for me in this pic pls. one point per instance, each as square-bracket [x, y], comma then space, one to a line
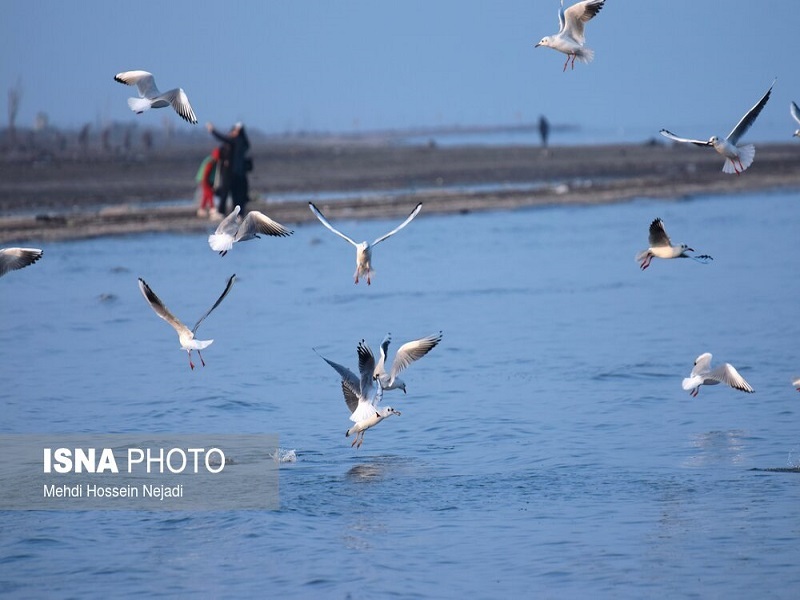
[185, 335]
[794, 110]
[234, 229]
[364, 249]
[12, 259]
[796, 383]
[570, 37]
[359, 396]
[406, 354]
[737, 158]
[662, 247]
[151, 97]
[703, 374]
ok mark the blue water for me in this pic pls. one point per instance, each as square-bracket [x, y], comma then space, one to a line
[546, 448]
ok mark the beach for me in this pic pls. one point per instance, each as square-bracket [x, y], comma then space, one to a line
[48, 197]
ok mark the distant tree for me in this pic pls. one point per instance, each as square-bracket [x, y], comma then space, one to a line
[83, 138]
[147, 140]
[14, 100]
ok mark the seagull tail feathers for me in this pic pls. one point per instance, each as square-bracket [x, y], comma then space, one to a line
[200, 344]
[139, 105]
[746, 155]
[220, 242]
[689, 383]
[585, 55]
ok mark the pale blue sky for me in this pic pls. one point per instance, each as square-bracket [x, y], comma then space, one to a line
[693, 66]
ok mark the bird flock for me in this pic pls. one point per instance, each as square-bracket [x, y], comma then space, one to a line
[363, 392]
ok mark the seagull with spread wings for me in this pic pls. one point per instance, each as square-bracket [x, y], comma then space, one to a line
[570, 37]
[12, 259]
[794, 110]
[185, 335]
[661, 247]
[737, 158]
[151, 97]
[234, 229]
[364, 249]
[405, 355]
[703, 374]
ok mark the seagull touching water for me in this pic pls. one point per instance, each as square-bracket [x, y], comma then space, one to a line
[737, 158]
[364, 249]
[570, 38]
[185, 335]
[703, 374]
[661, 247]
[150, 97]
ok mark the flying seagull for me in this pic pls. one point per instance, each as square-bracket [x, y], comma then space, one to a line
[734, 155]
[234, 229]
[17, 258]
[796, 383]
[703, 374]
[406, 354]
[361, 401]
[662, 247]
[185, 335]
[570, 38]
[150, 97]
[794, 110]
[364, 249]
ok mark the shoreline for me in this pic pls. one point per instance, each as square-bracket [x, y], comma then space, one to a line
[108, 196]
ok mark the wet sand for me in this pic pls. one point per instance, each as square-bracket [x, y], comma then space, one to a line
[58, 198]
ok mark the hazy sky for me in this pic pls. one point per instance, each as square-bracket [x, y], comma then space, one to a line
[693, 66]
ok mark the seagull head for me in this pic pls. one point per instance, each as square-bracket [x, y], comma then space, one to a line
[544, 42]
[390, 411]
[713, 140]
[685, 247]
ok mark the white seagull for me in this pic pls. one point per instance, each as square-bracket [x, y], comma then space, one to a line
[734, 155]
[703, 374]
[405, 355]
[359, 396]
[794, 110]
[150, 97]
[570, 38]
[661, 247]
[185, 335]
[796, 383]
[234, 229]
[17, 258]
[364, 249]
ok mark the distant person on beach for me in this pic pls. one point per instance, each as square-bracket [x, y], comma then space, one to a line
[239, 164]
[544, 130]
[205, 177]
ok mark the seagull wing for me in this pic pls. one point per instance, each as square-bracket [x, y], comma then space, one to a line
[380, 368]
[366, 367]
[577, 15]
[257, 222]
[227, 289]
[160, 309]
[794, 110]
[408, 220]
[730, 376]
[324, 221]
[411, 351]
[180, 102]
[17, 258]
[561, 19]
[749, 118]
[143, 81]
[658, 235]
[350, 398]
[675, 138]
[349, 379]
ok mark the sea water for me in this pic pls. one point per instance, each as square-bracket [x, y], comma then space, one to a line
[545, 447]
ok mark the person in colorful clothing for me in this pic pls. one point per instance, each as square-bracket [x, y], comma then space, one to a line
[205, 183]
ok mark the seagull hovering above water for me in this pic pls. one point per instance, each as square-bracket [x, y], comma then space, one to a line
[406, 354]
[364, 249]
[794, 110]
[734, 155]
[570, 38]
[359, 396]
[703, 374]
[796, 383]
[661, 247]
[185, 335]
[234, 229]
[12, 259]
[150, 97]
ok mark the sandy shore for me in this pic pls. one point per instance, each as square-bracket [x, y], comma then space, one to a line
[58, 198]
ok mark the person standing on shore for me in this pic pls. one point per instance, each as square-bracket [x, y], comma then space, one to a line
[239, 164]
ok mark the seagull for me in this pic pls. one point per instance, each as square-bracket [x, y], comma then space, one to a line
[406, 354]
[734, 155]
[150, 97]
[185, 335]
[364, 249]
[794, 110]
[359, 396]
[796, 383]
[703, 374]
[12, 259]
[234, 229]
[570, 38]
[661, 247]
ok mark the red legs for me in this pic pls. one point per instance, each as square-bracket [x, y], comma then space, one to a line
[369, 281]
[201, 358]
[573, 57]
[191, 364]
[695, 391]
[359, 439]
[646, 262]
[565, 64]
